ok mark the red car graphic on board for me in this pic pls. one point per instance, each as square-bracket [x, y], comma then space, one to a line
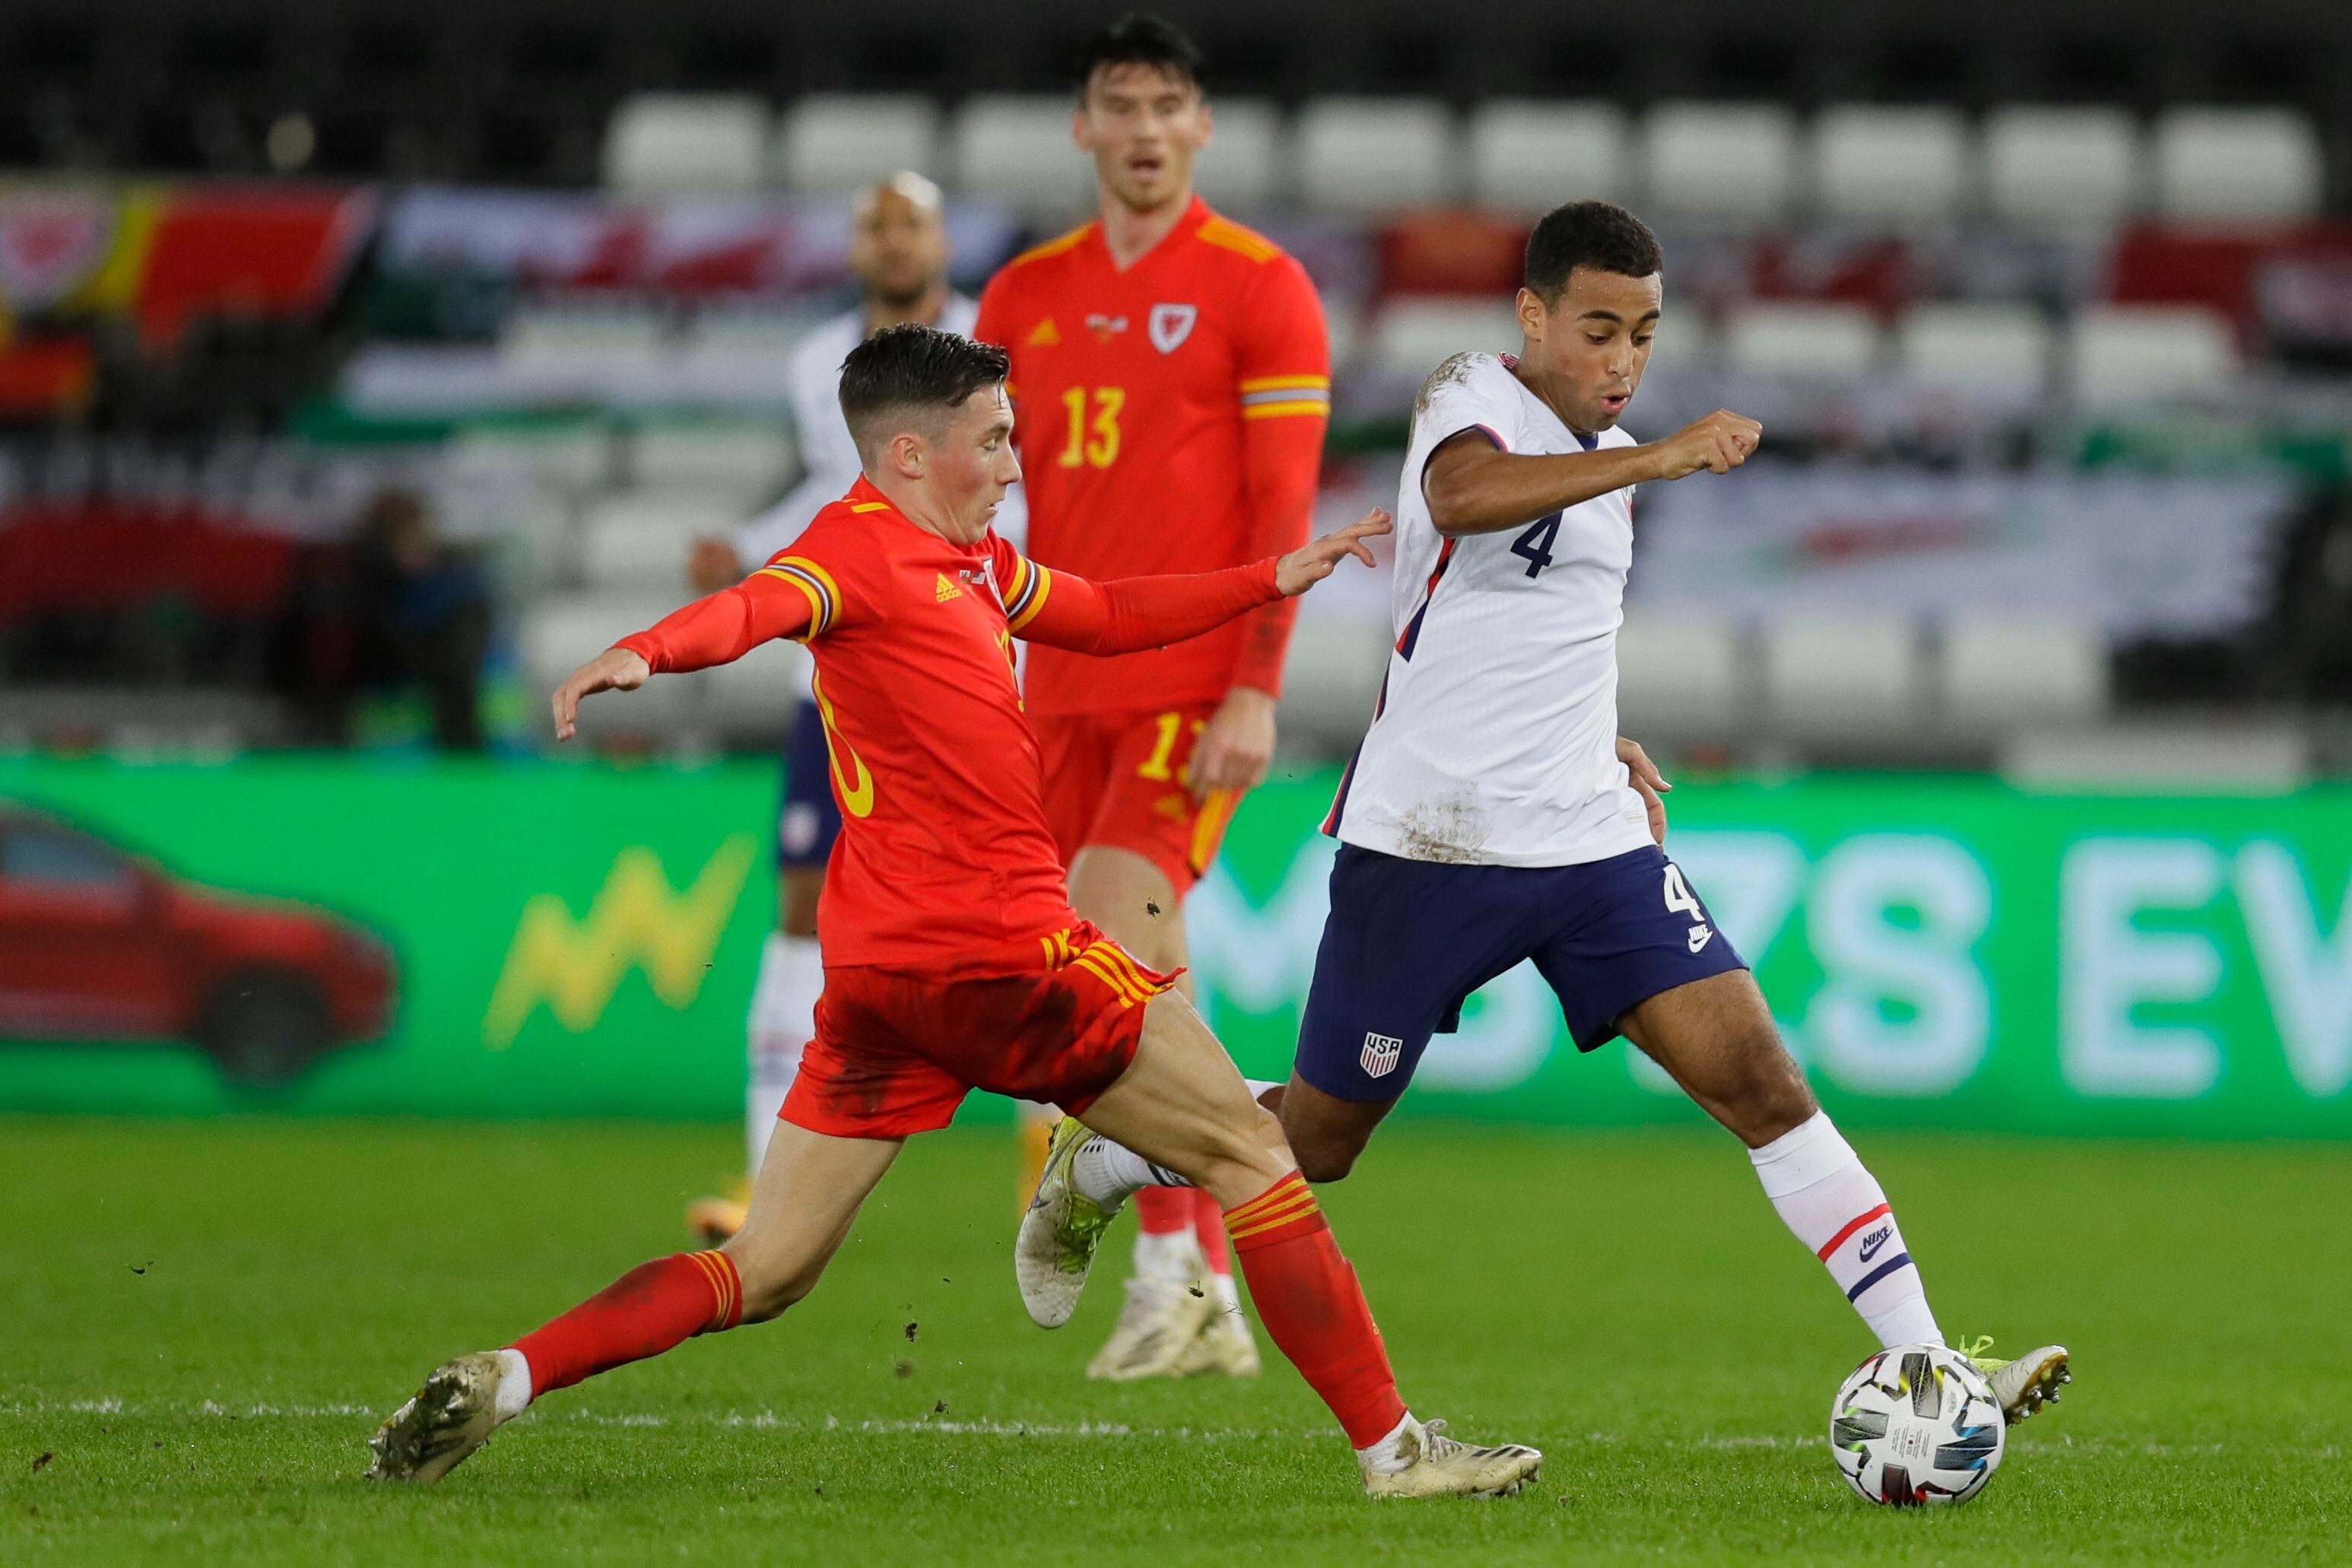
[97, 943]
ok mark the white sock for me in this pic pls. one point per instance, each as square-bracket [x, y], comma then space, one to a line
[1221, 1285]
[1835, 1207]
[1173, 1257]
[784, 1017]
[1387, 1456]
[1110, 1173]
[514, 1385]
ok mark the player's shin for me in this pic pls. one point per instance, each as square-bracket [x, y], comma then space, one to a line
[1832, 1204]
[653, 1307]
[1311, 1304]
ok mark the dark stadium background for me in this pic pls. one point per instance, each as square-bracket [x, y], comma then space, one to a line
[363, 367]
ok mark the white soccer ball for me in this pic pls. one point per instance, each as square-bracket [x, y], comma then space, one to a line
[1917, 1425]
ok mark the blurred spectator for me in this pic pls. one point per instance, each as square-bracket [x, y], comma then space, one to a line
[394, 607]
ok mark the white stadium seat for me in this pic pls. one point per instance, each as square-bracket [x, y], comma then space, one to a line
[1967, 345]
[1243, 167]
[2004, 671]
[1018, 149]
[665, 143]
[1532, 156]
[833, 143]
[570, 458]
[1735, 161]
[1873, 161]
[1801, 340]
[2232, 165]
[2126, 354]
[748, 462]
[752, 696]
[1680, 673]
[1849, 677]
[1375, 155]
[558, 635]
[640, 539]
[2067, 167]
[1413, 337]
[584, 336]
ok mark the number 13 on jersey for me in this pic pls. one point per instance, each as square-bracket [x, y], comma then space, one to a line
[1094, 426]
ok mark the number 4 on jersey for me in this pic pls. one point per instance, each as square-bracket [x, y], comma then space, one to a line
[1535, 544]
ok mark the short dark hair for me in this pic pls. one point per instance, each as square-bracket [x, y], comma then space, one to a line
[1599, 235]
[912, 367]
[1139, 39]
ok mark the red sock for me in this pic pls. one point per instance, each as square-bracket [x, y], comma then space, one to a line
[1311, 1304]
[1209, 1226]
[1163, 1211]
[652, 1307]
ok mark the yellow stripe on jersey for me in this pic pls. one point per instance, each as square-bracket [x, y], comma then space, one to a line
[1054, 247]
[815, 600]
[1126, 991]
[1030, 598]
[1287, 383]
[1280, 410]
[869, 506]
[1227, 235]
[824, 593]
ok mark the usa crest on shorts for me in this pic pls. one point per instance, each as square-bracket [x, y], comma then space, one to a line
[1382, 1053]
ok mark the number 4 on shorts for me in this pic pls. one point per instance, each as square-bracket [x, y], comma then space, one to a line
[1680, 900]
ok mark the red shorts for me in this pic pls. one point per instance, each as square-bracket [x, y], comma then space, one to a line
[895, 1051]
[1118, 779]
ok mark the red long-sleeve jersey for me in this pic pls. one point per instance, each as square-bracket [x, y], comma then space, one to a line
[945, 863]
[1171, 419]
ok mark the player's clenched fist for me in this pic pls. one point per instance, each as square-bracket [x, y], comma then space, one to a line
[615, 669]
[1312, 562]
[1718, 443]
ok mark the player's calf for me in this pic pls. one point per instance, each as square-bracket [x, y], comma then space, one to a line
[1326, 1133]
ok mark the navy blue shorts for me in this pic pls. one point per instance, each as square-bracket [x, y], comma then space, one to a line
[1407, 940]
[807, 820]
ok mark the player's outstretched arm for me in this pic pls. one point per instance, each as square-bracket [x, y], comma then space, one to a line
[1473, 487]
[715, 629]
[1130, 613]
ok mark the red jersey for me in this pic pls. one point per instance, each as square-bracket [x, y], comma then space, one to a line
[944, 862]
[1171, 419]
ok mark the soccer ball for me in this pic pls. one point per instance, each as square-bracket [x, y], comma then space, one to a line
[1917, 1425]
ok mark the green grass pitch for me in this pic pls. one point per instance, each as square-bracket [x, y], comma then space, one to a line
[201, 1322]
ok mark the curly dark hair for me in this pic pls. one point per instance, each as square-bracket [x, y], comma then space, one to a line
[909, 369]
[1599, 235]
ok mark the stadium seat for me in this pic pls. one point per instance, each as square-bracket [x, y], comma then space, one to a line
[1801, 340]
[1243, 167]
[1531, 156]
[1018, 150]
[560, 634]
[1414, 337]
[2221, 165]
[2063, 167]
[640, 539]
[2006, 671]
[619, 336]
[1880, 162]
[751, 699]
[1732, 161]
[1375, 155]
[1967, 345]
[661, 144]
[1680, 673]
[747, 463]
[2126, 354]
[1849, 677]
[570, 458]
[832, 144]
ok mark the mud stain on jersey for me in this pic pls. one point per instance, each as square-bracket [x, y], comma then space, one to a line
[1456, 369]
[1450, 832]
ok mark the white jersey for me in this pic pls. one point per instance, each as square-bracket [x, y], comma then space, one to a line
[1495, 740]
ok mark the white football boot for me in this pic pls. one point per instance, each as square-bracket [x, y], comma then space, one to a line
[1437, 1465]
[1225, 1344]
[453, 1414]
[2024, 1386]
[1060, 1232]
[1161, 1322]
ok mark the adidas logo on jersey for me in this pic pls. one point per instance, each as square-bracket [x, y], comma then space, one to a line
[1044, 335]
[947, 590]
